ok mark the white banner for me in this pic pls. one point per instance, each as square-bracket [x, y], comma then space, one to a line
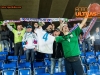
[49, 19]
[45, 41]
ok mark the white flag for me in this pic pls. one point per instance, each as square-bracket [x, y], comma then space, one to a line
[45, 41]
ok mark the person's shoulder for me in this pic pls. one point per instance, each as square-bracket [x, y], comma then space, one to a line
[33, 33]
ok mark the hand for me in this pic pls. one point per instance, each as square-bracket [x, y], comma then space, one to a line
[43, 23]
[24, 49]
[53, 26]
[60, 21]
[88, 8]
[35, 49]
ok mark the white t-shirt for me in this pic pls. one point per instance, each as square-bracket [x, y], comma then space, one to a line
[45, 41]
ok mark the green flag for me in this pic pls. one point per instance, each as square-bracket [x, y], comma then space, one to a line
[1, 22]
[40, 23]
[66, 20]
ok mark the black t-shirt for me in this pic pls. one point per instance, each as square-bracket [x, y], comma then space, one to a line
[57, 49]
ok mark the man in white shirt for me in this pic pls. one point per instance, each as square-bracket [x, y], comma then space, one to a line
[29, 43]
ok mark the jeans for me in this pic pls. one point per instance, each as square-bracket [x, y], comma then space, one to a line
[75, 66]
[11, 45]
[18, 50]
[53, 63]
[29, 55]
[88, 42]
[97, 48]
[5, 43]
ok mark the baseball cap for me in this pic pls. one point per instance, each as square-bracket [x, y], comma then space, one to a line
[29, 26]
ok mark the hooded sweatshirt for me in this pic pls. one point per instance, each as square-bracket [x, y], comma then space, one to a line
[29, 40]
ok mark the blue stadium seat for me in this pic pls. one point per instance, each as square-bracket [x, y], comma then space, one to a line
[93, 72]
[82, 54]
[38, 64]
[22, 58]
[8, 72]
[2, 58]
[91, 60]
[24, 65]
[56, 70]
[62, 73]
[1, 65]
[89, 54]
[10, 66]
[83, 59]
[94, 66]
[43, 74]
[47, 61]
[92, 56]
[81, 48]
[99, 60]
[12, 58]
[3, 53]
[97, 54]
[39, 70]
[24, 72]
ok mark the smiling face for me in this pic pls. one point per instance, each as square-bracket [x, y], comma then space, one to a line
[65, 28]
[56, 33]
[49, 28]
[19, 27]
[36, 25]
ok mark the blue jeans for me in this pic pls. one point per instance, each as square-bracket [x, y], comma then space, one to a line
[5, 43]
[29, 55]
[88, 42]
[73, 67]
[11, 45]
[53, 63]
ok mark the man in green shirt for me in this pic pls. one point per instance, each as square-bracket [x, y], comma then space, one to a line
[71, 49]
[18, 36]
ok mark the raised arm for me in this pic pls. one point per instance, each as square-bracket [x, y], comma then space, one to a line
[61, 24]
[83, 23]
[85, 19]
[10, 27]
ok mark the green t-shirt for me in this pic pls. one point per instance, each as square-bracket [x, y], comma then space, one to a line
[18, 35]
[70, 43]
